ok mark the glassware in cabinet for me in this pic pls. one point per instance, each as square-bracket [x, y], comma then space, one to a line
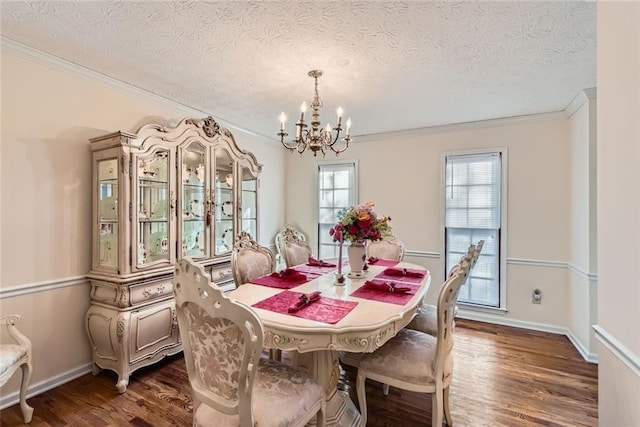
[194, 200]
[154, 207]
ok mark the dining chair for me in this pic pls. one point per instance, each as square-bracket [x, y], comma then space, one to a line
[293, 247]
[16, 355]
[230, 383]
[287, 229]
[387, 248]
[250, 260]
[416, 361]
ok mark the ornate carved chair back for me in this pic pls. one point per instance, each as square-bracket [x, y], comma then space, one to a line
[222, 342]
[388, 248]
[230, 383]
[250, 260]
[294, 248]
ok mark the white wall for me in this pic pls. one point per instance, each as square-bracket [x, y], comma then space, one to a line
[48, 116]
[402, 175]
[619, 213]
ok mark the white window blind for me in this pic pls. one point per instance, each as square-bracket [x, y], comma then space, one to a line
[336, 191]
[472, 213]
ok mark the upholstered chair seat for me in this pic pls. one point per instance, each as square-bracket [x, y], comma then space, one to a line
[14, 355]
[408, 357]
[9, 356]
[277, 388]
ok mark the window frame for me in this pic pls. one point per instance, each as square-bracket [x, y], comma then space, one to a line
[502, 247]
[319, 165]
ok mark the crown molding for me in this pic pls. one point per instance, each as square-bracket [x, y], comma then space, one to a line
[76, 70]
[457, 127]
[579, 100]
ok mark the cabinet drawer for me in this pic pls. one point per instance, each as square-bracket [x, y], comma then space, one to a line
[149, 291]
[221, 274]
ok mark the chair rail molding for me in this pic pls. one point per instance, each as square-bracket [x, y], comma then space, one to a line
[422, 254]
[618, 349]
[47, 285]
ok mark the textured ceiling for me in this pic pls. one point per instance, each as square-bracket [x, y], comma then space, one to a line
[390, 65]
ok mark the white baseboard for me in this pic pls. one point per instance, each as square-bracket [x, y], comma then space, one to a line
[11, 399]
[542, 327]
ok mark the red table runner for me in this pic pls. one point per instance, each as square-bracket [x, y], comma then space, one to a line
[326, 310]
[404, 279]
[386, 296]
[313, 269]
[383, 262]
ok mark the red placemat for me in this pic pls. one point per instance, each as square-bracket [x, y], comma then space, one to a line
[404, 279]
[281, 283]
[326, 310]
[382, 262]
[385, 296]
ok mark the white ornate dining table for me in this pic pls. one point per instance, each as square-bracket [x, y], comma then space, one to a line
[367, 327]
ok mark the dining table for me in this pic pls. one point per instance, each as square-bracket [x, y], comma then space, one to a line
[311, 314]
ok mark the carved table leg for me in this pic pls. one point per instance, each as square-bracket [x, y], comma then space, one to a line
[324, 367]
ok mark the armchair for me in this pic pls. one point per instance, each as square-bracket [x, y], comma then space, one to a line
[14, 356]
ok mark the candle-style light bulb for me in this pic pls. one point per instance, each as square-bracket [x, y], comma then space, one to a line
[328, 128]
[283, 119]
[348, 126]
[339, 116]
[303, 109]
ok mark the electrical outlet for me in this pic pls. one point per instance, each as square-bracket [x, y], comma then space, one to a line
[536, 296]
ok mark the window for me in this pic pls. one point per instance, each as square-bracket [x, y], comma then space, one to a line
[473, 211]
[336, 191]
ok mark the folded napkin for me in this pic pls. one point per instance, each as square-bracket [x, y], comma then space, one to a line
[319, 263]
[304, 300]
[403, 272]
[373, 259]
[386, 287]
[289, 274]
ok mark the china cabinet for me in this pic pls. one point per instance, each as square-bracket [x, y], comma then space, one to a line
[160, 195]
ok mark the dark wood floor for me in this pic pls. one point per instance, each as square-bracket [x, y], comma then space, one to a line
[502, 377]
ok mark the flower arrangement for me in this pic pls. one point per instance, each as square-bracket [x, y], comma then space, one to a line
[359, 223]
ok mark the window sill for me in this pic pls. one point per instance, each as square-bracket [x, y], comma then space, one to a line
[479, 309]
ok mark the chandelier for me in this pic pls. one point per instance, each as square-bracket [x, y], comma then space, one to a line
[315, 138]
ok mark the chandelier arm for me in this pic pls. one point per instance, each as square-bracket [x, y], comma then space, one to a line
[346, 145]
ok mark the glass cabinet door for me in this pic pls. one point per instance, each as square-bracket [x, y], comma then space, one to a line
[249, 198]
[223, 202]
[195, 204]
[154, 205]
[108, 213]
